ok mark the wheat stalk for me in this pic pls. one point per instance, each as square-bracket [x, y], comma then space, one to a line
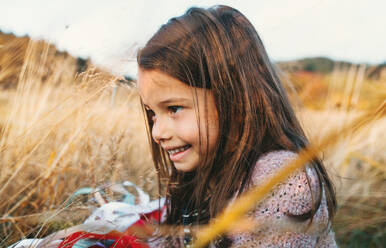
[248, 200]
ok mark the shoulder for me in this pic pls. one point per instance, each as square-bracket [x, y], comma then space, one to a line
[271, 162]
[295, 194]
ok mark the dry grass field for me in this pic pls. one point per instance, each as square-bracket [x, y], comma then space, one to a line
[61, 131]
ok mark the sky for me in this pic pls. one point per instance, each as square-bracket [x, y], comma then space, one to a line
[110, 32]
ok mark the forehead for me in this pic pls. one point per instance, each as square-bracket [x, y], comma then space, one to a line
[157, 86]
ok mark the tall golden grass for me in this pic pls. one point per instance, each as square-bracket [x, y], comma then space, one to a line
[61, 131]
[59, 135]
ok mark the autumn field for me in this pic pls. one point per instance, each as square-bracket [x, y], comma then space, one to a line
[62, 129]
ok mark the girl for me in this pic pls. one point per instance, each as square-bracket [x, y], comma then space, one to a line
[220, 123]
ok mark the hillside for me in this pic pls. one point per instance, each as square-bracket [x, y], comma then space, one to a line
[325, 65]
[14, 51]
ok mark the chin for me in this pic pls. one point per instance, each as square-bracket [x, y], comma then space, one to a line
[184, 167]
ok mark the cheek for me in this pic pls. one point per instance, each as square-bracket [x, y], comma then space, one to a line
[189, 131]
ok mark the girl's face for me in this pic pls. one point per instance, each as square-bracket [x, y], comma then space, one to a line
[174, 107]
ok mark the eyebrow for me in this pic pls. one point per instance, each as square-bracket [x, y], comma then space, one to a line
[170, 100]
[174, 99]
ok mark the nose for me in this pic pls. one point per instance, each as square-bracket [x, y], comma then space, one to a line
[161, 131]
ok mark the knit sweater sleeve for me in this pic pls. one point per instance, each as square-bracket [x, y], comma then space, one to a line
[295, 196]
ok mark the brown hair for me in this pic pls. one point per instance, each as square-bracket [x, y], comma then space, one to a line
[219, 49]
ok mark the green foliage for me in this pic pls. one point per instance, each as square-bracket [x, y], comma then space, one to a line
[369, 237]
[318, 64]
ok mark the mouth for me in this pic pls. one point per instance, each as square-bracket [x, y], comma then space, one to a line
[177, 153]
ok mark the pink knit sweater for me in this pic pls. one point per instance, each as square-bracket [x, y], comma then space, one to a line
[274, 228]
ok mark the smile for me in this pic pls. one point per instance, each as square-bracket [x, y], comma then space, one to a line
[178, 153]
[179, 149]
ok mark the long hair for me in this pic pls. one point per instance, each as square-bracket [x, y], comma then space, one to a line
[219, 49]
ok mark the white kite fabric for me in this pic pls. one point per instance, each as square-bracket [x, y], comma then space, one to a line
[111, 216]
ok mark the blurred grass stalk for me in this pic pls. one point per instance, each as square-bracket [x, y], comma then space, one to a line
[59, 131]
[248, 200]
[346, 87]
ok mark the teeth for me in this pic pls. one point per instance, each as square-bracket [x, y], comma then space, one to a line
[180, 149]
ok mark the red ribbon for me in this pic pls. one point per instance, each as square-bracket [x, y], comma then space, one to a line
[121, 240]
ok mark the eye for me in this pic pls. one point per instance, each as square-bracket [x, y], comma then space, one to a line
[175, 109]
